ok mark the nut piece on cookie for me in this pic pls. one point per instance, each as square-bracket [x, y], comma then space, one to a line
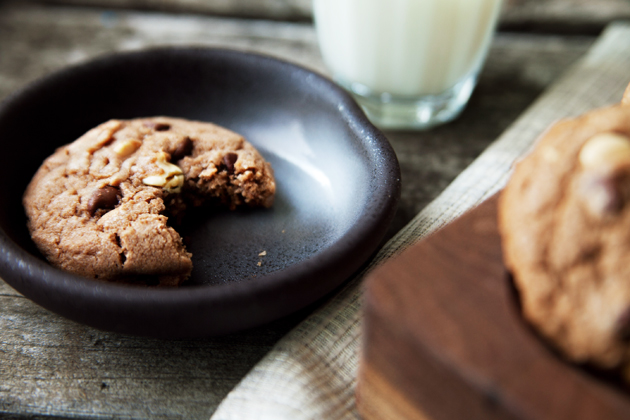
[605, 151]
[171, 179]
[127, 147]
[98, 207]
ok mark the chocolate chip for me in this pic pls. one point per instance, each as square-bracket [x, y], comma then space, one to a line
[157, 126]
[103, 198]
[184, 149]
[622, 326]
[229, 160]
[601, 194]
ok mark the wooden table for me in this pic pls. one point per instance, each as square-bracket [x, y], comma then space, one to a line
[50, 366]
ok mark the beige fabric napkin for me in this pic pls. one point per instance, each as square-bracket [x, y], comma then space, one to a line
[311, 372]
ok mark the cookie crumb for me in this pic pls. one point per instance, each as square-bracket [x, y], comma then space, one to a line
[262, 254]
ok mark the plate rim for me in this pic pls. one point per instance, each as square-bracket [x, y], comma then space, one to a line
[24, 271]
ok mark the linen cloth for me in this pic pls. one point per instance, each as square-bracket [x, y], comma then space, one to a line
[311, 372]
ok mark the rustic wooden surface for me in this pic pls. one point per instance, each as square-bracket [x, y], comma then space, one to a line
[548, 15]
[577, 16]
[434, 330]
[53, 367]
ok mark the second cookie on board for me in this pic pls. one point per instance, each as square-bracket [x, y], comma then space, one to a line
[565, 224]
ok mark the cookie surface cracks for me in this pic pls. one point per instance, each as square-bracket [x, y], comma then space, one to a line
[97, 206]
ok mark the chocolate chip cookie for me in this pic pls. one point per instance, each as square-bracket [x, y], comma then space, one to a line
[100, 206]
[565, 223]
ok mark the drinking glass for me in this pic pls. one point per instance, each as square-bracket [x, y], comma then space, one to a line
[409, 63]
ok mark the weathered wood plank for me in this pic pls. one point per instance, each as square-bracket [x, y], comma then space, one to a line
[545, 14]
[61, 36]
[267, 9]
[51, 366]
[563, 15]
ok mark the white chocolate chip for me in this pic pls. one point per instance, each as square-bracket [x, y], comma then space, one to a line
[126, 148]
[171, 179]
[605, 150]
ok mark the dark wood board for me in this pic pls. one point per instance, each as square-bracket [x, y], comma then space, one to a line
[444, 339]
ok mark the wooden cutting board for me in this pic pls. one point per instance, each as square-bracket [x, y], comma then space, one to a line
[443, 339]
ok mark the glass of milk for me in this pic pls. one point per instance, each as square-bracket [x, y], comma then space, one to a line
[409, 63]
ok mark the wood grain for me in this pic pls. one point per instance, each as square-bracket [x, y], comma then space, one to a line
[548, 15]
[49, 365]
[262, 9]
[443, 332]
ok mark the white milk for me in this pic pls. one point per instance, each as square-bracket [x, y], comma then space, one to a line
[404, 47]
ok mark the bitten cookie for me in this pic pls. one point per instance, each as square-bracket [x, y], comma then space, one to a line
[565, 224]
[99, 207]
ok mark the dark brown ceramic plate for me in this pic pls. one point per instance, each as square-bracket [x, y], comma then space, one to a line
[338, 183]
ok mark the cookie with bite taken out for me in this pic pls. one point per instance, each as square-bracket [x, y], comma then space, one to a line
[99, 207]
